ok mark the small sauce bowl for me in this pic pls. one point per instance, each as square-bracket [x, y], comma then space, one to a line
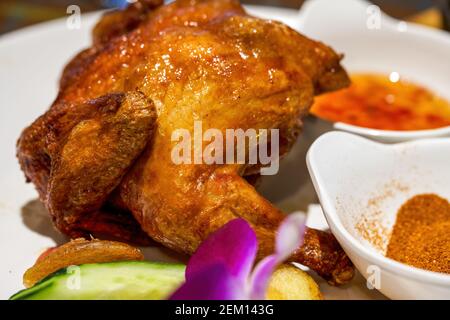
[385, 108]
[374, 42]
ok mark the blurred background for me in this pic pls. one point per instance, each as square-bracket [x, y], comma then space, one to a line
[15, 14]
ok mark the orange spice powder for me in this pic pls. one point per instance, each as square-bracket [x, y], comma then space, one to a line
[421, 234]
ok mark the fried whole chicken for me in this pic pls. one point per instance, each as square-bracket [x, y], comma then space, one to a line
[100, 157]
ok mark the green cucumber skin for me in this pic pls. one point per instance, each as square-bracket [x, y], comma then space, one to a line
[125, 280]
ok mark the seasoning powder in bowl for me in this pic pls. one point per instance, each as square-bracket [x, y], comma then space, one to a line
[421, 234]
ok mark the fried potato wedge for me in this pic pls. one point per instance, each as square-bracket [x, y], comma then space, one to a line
[77, 252]
[290, 283]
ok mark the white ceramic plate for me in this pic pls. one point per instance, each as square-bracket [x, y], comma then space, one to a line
[364, 183]
[31, 61]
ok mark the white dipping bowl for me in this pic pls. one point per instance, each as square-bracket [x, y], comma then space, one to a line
[349, 173]
[418, 54]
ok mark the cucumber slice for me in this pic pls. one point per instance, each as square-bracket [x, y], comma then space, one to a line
[136, 280]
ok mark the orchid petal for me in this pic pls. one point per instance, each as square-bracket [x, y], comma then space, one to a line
[234, 245]
[290, 235]
[214, 283]
[289, 238]
[260, 277]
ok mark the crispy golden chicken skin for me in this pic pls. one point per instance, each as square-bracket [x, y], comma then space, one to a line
[101, 156]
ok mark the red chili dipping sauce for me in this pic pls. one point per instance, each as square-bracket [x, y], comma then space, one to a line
[384, 102]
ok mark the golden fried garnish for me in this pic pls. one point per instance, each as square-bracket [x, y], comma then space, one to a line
[291, 283]
[76, 252]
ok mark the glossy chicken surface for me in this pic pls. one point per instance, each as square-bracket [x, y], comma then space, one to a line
[101, 156]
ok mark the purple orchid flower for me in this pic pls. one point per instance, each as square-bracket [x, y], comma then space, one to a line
[222, 266]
